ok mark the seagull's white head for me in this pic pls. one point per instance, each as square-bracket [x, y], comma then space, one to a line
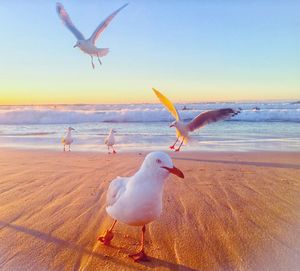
[78, 44]
[160, 165]
[174, 123]
[112, 131]
[71, 129]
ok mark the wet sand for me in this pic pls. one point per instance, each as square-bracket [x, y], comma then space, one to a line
[233, 211]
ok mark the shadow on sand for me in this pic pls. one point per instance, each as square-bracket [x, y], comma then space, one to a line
[154, 262]
[245, 163]
[50, 239]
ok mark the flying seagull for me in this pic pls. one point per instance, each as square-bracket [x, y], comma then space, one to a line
[183, 129]
[137, 200]
[87, 45]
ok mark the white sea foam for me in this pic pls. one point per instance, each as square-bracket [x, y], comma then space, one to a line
[72, 114]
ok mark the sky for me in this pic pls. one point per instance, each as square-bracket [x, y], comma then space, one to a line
[191, 50]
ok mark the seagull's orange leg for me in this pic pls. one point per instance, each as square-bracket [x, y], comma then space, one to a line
[178, 149]
[141, 255]
[108, 235]
[113, 149]
[173, 146]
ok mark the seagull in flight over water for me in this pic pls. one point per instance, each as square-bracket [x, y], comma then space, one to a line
[87, 45]
[183, 129]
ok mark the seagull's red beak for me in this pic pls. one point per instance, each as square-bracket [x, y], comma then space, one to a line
[175, 171]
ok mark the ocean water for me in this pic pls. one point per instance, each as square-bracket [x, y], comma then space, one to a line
[260, 126]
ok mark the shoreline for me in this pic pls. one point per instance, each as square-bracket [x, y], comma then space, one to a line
[103, 150]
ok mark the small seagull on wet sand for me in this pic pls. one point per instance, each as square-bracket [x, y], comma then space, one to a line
[137, 200]
[68, 140]
[183, 129]
[110, 141]
[87, 45]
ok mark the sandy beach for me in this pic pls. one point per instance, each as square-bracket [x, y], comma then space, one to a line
[233, 211]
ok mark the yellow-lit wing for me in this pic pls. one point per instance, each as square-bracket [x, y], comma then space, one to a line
[167, 103]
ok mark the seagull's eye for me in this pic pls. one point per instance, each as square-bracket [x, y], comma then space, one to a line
[158, 161]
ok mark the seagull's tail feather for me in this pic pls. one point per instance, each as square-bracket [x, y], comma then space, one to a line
[186, 140]
[102, 52]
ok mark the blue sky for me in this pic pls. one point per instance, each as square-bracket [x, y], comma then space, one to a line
[191, 50]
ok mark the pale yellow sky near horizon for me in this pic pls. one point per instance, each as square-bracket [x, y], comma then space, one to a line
[152, 99]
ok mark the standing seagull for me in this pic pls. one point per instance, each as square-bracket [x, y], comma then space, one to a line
[183, 129]
[67, 140]
[137, 200]
[110, 140]
[87, 45]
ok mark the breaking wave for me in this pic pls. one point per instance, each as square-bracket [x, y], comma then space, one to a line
[141, 113]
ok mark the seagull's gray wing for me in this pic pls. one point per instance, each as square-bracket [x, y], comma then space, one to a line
[104, 24]
[62, 13]
[115, 190]
[211, 116]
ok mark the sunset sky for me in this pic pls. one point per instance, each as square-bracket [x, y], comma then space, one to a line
[191, 50]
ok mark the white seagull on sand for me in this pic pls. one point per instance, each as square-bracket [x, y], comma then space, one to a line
[87, 45]
[137, 200]
[110, 140]
[68, 140]
[183, 129]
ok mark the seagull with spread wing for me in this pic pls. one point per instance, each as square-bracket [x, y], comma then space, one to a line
[183, 129]
[87, 45]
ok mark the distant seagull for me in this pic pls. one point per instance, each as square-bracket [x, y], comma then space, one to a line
[68, 140]
[87, 45]
[183, 129]
[110, 140]
[137, 200]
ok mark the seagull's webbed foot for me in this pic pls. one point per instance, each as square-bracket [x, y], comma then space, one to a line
[141, 256]
[106, 238]
[178, 149]
[173, 146]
